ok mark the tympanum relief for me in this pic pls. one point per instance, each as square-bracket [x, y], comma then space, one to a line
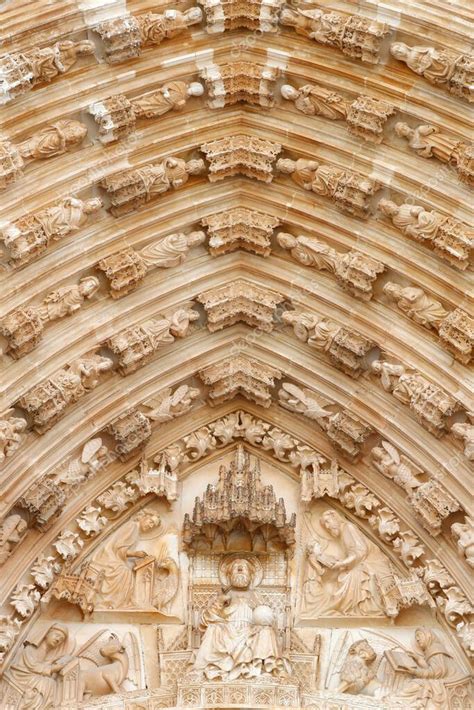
[244, 595]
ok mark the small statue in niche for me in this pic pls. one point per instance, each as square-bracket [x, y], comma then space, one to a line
[315, 100]
[49, 62]
[169, 97]
[55, 139]
[240, 639]
[344, 582]
[68, 299]
[418, 306]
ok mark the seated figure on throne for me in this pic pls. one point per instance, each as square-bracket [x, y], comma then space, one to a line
[240, 639]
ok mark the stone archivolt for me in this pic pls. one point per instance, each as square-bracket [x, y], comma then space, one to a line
[240, 302]
[241, 155]
[223, 627]
[240, 228]
[247, 82]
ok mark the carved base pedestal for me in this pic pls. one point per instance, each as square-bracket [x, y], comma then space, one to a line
[261, 692]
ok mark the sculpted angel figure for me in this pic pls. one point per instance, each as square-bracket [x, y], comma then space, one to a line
[388, 461]
[68, 299]
[55, 139]
[169, 405]
[346, 583]
[89, 368]
[412, 220]
[35, 671]
[315, 100]
[416, 304]
[318, 332]
[172, 250]
[465, 432]
[169, 97]
[49, 62]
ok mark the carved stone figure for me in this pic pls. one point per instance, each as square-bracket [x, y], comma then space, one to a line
[239, 81]
[239, 640]
[430, 404]
[125, 586]
[302, 400]
[350, 191]
[429, 142]
[240, 228]
[23, 327]
[93, 458]
[35, 671]
[169, 97]
[439, 66]
[131, 189]
[416, 304]
[365, 117]
[464, 533]
[240, 375]
[357, 673]
[430, 501]
[344, 572]
[240, 302]
[354, 35]
[465, 432]
[315, 100]
[20, 72]
[131, 432]
[355, 272]
[55, 139]
[127, 268]
[451, 239]
[432, 668]
[346, 348]
[124, 37]
[11, 430]
[168, 405]
[12, 531]
[254, 15]
[47, 401]
[135, 346]
[241, 155]
[31, 235]
[172, 250]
